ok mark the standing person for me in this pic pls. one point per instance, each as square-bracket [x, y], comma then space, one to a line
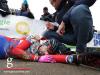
[4, 10]
[46, 15]
[25, 11]
[75, 23]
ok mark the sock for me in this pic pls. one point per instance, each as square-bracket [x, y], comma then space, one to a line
[59, 58]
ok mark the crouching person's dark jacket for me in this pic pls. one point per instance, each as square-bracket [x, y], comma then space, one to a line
[64, 9]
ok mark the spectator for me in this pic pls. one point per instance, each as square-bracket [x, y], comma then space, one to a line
[13, 11]
[4, 10]
[25, 11]
[46, 15]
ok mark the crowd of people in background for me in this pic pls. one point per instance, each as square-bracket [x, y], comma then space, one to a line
[24, 11]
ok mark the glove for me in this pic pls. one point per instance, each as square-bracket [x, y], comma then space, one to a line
[47, 59]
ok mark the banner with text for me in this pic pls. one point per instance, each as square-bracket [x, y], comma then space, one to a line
[95, 42]
[17, 26]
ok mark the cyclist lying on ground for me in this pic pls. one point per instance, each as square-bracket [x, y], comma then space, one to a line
[27, 49]
[18, 48]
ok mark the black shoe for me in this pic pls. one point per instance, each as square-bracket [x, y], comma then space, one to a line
[88, 57]
[78, 58]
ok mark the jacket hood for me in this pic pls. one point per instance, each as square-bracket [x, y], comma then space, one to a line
[76, 2]
[87, 2]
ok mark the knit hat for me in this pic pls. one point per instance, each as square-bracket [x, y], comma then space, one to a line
[25, 2]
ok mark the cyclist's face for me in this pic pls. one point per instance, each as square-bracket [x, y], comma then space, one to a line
[43, 50]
